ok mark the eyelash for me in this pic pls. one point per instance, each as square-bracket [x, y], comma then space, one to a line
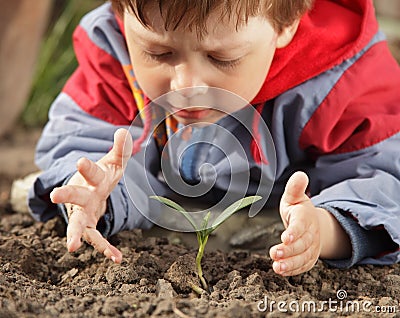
[229, 64]
[156, 57]
[224, 64]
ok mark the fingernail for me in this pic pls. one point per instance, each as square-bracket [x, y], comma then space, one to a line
[279, 253]
[52, 194]
[68, 241]
[283, 267]
[113, 258]
[288, 238]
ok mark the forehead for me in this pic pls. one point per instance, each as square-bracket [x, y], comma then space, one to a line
[220, 30]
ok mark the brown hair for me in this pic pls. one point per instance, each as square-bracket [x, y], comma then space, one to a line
[194, 13]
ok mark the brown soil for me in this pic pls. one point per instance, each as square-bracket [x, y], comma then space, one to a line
[39, 278]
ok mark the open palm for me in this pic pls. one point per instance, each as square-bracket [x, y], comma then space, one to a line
[85, 195]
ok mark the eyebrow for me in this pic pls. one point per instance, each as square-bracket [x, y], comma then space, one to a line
[220, 47]
[147, 37]
[228, 46]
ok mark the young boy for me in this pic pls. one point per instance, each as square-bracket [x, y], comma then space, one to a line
[319, 74]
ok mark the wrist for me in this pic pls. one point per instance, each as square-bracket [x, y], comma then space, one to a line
[335, 242]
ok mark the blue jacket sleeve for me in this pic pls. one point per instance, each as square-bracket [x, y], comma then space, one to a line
[361, 190]
[71, 134]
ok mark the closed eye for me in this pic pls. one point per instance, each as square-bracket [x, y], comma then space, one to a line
[159, 57]
[224, 63]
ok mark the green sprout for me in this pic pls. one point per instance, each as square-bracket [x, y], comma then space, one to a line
[205, 230]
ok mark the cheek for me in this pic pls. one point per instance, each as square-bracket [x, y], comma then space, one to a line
[152, 80]
[250, 80]
[258, 72]
[153, 83]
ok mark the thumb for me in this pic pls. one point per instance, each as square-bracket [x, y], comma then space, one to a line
[121, 150]
[123, 145]
[295, 190]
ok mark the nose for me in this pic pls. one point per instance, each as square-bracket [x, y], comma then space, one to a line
[187, 81]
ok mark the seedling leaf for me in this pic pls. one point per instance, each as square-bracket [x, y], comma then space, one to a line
[177, 207]
[204, 224]
[234, 207]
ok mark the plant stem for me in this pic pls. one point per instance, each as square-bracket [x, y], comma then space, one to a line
[200, 253]
[198, 290]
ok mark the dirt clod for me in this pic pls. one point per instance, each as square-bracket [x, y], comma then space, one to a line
[183, 275]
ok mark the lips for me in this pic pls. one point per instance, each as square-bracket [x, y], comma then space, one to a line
[191, 113]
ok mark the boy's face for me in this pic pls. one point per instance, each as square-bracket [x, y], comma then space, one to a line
[236, 59]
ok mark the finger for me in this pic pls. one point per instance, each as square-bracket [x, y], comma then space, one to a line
[90, 171]
[76, 227]
[297, 247]
[121, 151]
[295, 189]
[295, 265]
[94, 238]
[297, 223]
[276, 252]
[294, 231]
[73, 194]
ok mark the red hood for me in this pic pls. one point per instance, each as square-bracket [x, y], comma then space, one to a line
[329, 34]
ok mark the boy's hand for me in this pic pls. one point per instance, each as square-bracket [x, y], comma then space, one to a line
[310, 232]
[301, 241]
[85, 195]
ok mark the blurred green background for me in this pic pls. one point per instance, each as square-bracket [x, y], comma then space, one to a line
[56, 60]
